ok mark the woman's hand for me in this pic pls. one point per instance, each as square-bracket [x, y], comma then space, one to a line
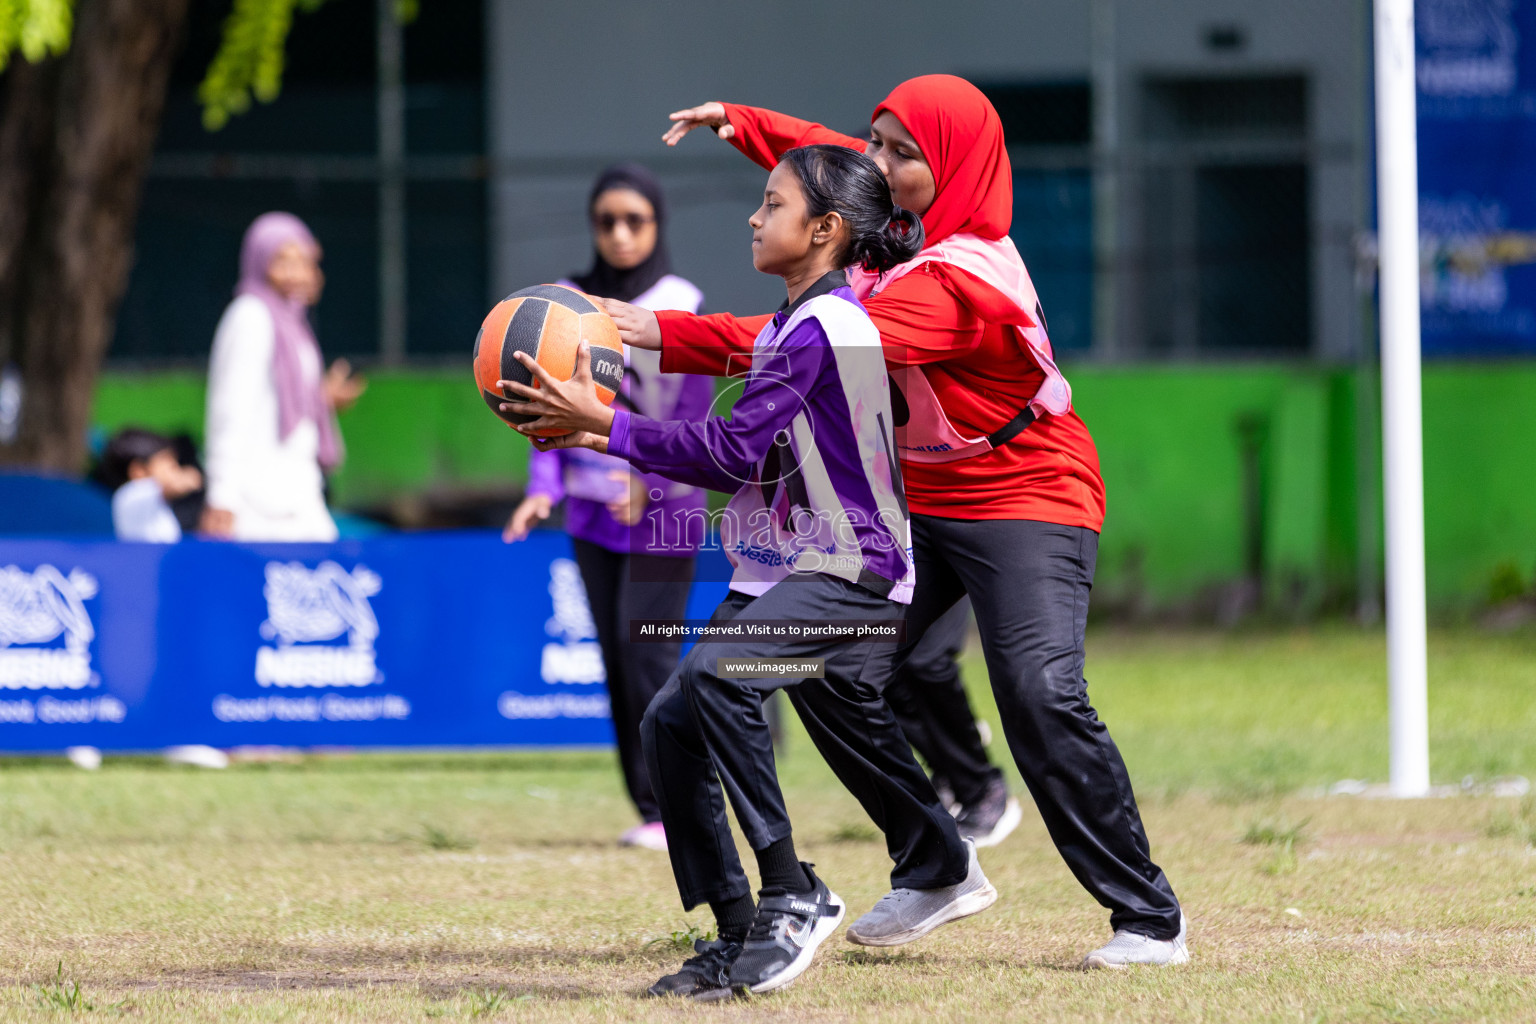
[637, 325]
[341, 388]
[705, 115]
[628, 507]
[218, 523]
[569, 405]
[533, 509]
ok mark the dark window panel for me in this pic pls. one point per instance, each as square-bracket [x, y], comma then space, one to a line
[327, 101]
[446, 270]
[1053, 228]
[446, 43]
[1166, 271]
[445, 78]
[444, 118]
[1254, 290]
[1043, 113]
[187, 262]
[304, 119]
[1196, 109]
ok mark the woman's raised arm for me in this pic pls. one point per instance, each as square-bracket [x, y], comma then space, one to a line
[715, 345]
[636, 324]
[705, 115]
[763, 135]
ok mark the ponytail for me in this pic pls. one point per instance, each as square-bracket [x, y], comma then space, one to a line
[899, 241]
[881, 235]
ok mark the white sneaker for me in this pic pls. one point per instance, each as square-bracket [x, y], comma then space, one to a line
[649, 836]
[199, 755]
[903, 915]
[1128, 948]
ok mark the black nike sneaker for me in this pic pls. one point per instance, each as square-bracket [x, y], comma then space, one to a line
[784, 936]
[708, 971]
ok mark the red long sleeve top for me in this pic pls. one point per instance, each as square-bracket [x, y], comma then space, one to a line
[981, 375]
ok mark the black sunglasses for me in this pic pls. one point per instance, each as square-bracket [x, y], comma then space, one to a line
[634, 221]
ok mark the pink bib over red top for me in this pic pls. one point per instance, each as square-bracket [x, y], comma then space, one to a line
[963, 312]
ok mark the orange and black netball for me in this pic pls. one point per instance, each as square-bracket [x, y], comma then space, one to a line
[547, 321]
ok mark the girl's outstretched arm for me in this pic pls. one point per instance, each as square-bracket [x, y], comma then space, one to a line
[696, 472]
[730, 449]
[706, 474]
[707, 457]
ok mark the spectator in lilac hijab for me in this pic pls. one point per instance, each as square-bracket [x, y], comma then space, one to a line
[271, 426]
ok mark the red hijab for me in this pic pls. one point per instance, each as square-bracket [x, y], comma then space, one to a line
[961, 137]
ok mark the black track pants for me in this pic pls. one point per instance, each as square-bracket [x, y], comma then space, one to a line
[621, 587]
[706, 740]
[1029, 583]
[930, 704]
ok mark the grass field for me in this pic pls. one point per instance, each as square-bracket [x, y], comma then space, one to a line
[488, 886]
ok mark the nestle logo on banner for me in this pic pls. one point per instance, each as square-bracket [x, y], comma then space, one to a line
[308, 610]
[1467, 47]
[45, 631]
[576, 658]
[573, 659]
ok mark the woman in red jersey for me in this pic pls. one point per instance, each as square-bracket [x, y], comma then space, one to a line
[1002, 477]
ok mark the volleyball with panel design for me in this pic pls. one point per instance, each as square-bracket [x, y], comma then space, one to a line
[547, 321]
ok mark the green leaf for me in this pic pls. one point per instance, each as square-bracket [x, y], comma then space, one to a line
[38, 28]
[250, 59]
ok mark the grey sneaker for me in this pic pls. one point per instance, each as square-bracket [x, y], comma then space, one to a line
[1128, 948]
[906, 914]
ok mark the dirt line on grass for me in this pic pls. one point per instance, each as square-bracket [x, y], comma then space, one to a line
[561, 986]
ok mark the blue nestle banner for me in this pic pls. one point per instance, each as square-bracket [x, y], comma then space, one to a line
[408, 640]
[1477, 174]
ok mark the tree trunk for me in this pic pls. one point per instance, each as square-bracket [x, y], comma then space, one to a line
[76, 135]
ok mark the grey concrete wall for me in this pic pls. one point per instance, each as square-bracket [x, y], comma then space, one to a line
[576, 85]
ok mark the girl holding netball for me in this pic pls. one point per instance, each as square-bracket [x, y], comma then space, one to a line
[1001, 474]
[817, 533]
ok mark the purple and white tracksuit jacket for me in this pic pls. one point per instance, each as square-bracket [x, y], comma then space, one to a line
[808, 453]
